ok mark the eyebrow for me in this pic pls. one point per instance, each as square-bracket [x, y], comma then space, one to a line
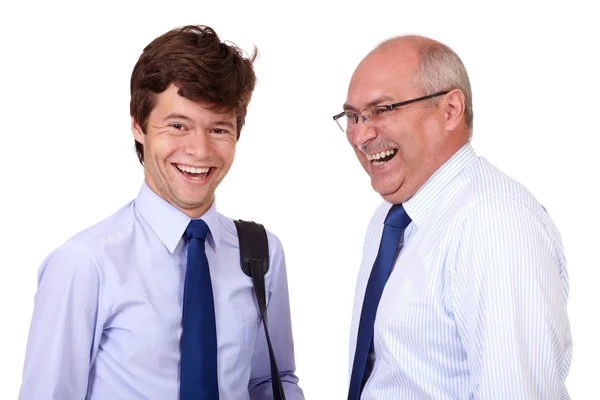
[378, 100]
[178, 116]
[225, 123]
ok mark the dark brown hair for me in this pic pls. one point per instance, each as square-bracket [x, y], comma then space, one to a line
[205, 69]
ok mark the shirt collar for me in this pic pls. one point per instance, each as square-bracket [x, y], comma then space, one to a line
[421, 202]
[169, 223]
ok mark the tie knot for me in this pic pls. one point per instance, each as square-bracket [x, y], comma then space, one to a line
[397, 217]
[196, 229]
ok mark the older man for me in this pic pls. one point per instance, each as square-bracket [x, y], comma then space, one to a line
[463, 285]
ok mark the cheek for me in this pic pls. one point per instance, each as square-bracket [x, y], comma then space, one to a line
[165, 147]
[433, 129]
[226, 151]
[410, 138]
[349, 139]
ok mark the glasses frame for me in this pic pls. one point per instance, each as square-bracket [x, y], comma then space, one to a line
[389, 107]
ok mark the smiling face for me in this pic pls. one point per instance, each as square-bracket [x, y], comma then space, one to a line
[188, 150]
[416, 139]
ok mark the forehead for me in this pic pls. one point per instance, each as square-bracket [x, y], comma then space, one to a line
[386, 73]
[171, 102]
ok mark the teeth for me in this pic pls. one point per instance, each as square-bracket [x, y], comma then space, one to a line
[192, 170]
[379, 155]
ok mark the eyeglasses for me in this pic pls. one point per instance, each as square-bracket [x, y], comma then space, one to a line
[376, 116]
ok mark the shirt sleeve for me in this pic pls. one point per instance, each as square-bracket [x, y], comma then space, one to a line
[509, 292]
[64, 327]
[280, 331]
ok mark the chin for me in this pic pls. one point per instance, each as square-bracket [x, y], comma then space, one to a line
[398, 197]
[392, 195]
[385, 188]
[389, 198]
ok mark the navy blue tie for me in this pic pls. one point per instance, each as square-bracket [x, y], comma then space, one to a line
[198, 375]
[395, 223]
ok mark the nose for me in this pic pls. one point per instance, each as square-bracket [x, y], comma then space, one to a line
[197, 144]
[362, 134]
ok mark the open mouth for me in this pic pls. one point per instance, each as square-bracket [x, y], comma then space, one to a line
[195, 173]
[382, 157]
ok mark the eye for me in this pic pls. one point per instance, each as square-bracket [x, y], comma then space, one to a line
[220, 131]
[177, 126]
[352, 117]
[381, 110]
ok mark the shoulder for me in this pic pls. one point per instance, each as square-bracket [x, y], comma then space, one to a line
[484, 184]
[86, 247]
[70, 262]
[497, 217]
[499, 214]
[487, 194]
[491, 208]
[121, 219]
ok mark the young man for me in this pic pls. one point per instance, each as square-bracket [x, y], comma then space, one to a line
[463, 285]
[151, 303]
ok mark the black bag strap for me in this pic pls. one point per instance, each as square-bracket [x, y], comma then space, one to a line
[254, 257]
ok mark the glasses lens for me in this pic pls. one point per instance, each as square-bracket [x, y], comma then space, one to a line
[348, 122]
[342, 122]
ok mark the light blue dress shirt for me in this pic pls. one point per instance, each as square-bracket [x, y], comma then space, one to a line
[107, 317]
[476, 306]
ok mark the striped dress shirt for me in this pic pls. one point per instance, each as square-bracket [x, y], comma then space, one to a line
[476, 305]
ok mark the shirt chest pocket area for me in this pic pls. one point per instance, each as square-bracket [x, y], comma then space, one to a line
[238, 318]
[144, 332]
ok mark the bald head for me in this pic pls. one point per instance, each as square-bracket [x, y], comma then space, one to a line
[402, 50]
[400, 55]
[410, 45]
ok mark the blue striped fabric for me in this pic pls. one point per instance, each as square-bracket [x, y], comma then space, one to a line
[475, 307]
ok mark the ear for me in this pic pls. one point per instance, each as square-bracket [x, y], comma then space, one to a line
[454, 109]
[137, 132]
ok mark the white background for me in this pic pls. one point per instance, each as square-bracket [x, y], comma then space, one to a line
[67, 158]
